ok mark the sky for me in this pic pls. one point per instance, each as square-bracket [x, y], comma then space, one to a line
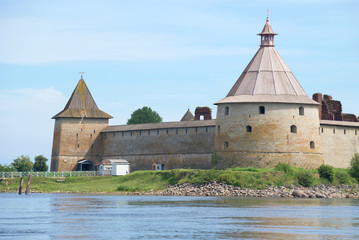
[165, 54]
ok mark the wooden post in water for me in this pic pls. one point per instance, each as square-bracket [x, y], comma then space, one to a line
[20, 187]
[28, 184]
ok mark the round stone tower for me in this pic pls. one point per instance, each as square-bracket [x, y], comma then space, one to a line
[267, 117]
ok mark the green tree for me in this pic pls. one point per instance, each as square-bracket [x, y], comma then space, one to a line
[144, 115]
[7, 168]
[23, 164]
[354, 166]
[40, 164]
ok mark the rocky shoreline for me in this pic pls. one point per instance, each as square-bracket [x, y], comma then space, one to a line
[291, 191]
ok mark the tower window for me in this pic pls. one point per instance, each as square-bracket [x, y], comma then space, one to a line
[262, 110]
[266, 37]
[218, 129]
[312, 144]
[249, 129]
[301, 110]
[293, 129]
[226, 144]
[226, 112]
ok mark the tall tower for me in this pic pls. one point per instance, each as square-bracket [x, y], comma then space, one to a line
[77, 143]
[267, 117]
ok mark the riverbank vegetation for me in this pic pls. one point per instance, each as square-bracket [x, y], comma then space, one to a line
[143, 181]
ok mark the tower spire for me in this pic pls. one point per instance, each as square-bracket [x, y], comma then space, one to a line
[267, 34]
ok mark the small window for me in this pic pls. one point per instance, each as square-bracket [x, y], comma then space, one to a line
[226, 112]
[293, 129]
[301, 110]
[114, 134]
[158, 131]
[122, 134]
[262, 110]
[94, 131]
[176, 131]
[226, 144]
[167, 131]
[249, 129]
[345, 131]
[140, 133]
[149, 132]
[90, 135]
[77, 136]
[266, 37]
[218, 129]
[334, 130]
[312, 145]
[322, 130]
[201, 117]
[131, 133]
[186, 130]
[356, 133]
[206, 129]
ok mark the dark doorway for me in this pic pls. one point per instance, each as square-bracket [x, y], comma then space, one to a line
[85, 165]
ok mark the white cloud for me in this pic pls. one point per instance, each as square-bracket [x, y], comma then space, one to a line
[26, 124]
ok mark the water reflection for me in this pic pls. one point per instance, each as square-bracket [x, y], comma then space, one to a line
[57, 216]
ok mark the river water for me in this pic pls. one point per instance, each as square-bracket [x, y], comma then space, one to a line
[68, 216]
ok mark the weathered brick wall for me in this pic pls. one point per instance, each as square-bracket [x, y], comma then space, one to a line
[175, 147]
[271, 139]
[74, 141]
[339, 144]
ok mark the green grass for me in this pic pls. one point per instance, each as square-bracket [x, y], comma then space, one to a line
[143, 181]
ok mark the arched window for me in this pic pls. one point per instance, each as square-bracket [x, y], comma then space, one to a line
[248, 129]
[312, 144]
[293, 129]
[301, 110]
[262, 110]
[226, 144]
[226, 111]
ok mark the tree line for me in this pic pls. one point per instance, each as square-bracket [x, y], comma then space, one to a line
[24, 164]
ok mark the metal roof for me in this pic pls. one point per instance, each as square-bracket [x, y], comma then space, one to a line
[267, 79]
[149, 126]
[339, 123]
[81, 104]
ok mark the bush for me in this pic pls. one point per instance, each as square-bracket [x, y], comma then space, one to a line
[227, 178]
[354, 166]
[283, 167]
[343, 177]
[305, 179]
[326, 172]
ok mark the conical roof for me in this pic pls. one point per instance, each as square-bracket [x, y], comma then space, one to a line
[188, 116]
[81, 104]
[267, 78]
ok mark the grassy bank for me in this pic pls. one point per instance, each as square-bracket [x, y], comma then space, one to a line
[142, 181]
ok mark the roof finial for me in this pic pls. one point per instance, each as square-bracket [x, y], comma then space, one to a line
[82, 73]
[267, 15]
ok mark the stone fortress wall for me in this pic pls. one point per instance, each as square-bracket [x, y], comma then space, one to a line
[172, 145]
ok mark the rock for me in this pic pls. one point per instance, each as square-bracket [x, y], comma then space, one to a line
[297, 193]
[349, 196]
[317, 195]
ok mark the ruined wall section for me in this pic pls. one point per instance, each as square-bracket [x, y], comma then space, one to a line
[246, 138]
[189, 147]
[74, 140]
[339, 144]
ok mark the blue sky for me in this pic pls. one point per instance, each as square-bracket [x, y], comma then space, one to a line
[164, 54]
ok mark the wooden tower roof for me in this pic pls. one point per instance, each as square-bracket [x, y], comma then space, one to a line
[267, 78]
[81, 104]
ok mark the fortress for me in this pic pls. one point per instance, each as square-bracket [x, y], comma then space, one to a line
[265, 118]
